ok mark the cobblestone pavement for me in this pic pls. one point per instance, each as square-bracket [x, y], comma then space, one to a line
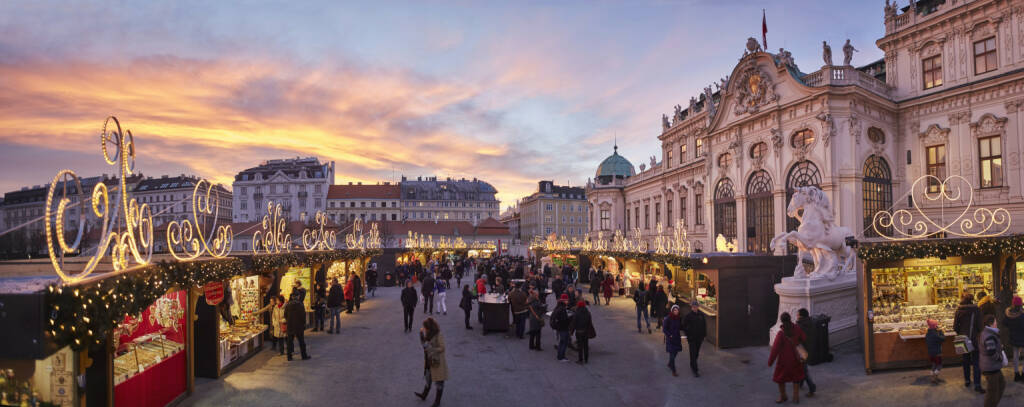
[373, 363]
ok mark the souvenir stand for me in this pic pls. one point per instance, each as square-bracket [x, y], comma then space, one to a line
[907, 282]
[227, 328]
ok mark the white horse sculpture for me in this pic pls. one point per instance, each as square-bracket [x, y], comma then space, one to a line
[817, 236]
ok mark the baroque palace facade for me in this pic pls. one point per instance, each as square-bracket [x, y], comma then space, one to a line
[945, 100]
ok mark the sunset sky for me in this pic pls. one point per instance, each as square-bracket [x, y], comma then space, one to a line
[510, 92]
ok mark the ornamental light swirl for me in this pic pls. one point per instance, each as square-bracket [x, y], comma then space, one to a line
[136, 238]
[272, 239]
[318, 238]
[355, 240]
[190, 237]
[902, 224]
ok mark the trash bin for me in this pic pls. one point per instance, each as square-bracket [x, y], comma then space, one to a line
[817, 340]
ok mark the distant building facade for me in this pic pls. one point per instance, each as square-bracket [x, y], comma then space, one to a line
[346, 203]
[170, 198]
[300, 185]
[512, 219]
[554, 209]
[448, 200]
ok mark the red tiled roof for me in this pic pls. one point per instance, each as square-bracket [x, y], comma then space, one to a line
[491, 226]
[364, 191]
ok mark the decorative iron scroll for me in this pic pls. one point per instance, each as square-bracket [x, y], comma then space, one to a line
[272, 239]
[318, 238]
[904, 224]
[137, 236]
[189, 236]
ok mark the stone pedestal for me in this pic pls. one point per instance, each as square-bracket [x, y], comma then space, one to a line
[835, 298]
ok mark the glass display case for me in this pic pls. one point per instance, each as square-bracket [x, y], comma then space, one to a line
[240, 336]
[142, 353]
[904, 298]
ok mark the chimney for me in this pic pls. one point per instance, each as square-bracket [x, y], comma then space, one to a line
[350, 182]
[359, 183]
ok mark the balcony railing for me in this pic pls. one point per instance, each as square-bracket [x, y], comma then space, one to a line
[847, 76]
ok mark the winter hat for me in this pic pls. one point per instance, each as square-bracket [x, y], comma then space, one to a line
[933, 324]
[675, 307]
[564, 298]
[1017, 301]
[581, 304]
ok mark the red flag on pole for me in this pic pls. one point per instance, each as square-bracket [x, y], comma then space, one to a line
[764, 30]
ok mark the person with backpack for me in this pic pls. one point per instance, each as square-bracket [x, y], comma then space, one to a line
[696, 328]
[967, 322]
[561, 322]
[583, 326]
[785, 351]
[641, 300]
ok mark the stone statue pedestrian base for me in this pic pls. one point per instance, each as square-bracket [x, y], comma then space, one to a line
[835, 298]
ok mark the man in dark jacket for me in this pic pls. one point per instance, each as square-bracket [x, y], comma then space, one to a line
[561, 322]
[641, 299]
[409, 298]
[658, 303]
[1014, 323]
[696, 328]
[371, 280]
[517, 300]
[357, 290]
[427, 288]
[582, 325]
[335, 299]
[295, 318]
[557, 286]
[968, 322]
[991, 352]
[803, 320]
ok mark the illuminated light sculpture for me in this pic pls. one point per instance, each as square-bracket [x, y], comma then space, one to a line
[459, 243]
[619, 242]
[180, 233]
[902, 224]
[680, 245]
[662, 244]
[355, 239]
[637, 242]
[137, 236]
[601, 244]
[318, 238]
[373, 241]
[272, 239]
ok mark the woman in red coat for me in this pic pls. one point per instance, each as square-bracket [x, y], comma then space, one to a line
[789, 369]
[350, 291]
[608, 285]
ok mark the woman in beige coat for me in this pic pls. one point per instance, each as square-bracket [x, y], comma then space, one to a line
[435, 367]
[276, 308]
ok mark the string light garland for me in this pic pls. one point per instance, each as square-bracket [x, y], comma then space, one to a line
[920, 249]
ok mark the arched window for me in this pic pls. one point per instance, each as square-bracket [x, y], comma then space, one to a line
[760, 213]
[803, 174]
[758, 150]
[725, 209]
[803, 138]
[877, 192]
[724, 160]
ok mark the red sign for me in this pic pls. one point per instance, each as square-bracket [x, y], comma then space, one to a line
[214, 292]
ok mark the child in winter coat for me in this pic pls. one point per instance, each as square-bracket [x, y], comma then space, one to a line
[934, 339]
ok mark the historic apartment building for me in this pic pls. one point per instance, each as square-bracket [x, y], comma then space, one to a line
[448, 200]
[945, 100]
[554, 209]
[512, 219]
[170, 198]
[371, 202]
[299, 184]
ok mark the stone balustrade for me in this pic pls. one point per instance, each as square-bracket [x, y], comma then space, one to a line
[846, 76]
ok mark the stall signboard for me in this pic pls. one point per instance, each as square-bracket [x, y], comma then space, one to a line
[214, 292]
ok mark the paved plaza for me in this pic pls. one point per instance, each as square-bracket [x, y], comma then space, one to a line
[373, 363]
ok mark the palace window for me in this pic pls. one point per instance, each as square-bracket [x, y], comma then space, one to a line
[985, 56]
[936, 156]
[698, 215]
[627, 218]
[682, 152]
[647, 216]
[758, 150]
[760, 213]
[682, 209]
[636, 213]
[668, 158]
[931, 71]
[803, 138]
[606, 219]
[668, 213]
[725, 209]
[699, 150]
[724, 160]
[657, 213]
[991, 162]
[877, 192]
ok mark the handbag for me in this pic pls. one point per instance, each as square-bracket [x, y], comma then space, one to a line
[592, 333]
[801, 352]
[962, 343]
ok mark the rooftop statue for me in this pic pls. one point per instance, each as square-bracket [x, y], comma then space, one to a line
[848, 51]
[826, 53]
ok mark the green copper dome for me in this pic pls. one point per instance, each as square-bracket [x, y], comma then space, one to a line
[615, 166]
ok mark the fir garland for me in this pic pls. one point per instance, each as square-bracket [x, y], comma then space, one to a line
[919, 249]
[84, 316]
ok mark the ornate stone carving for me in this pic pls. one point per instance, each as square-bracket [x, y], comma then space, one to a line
[709, 104]
[956, 118]
[828, 126]
[754, 89]
[1013, 105]
[693, 106]
[677, 115]
[786, 59]
[752, 46]
[664, 122]
[934, 135]
[988, 124]
[826, 53]
[848, 51]
[855, 129]
[777, 140]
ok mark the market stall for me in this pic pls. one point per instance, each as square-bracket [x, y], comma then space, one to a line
[228, 329]
[150, 367]
[904, 286]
